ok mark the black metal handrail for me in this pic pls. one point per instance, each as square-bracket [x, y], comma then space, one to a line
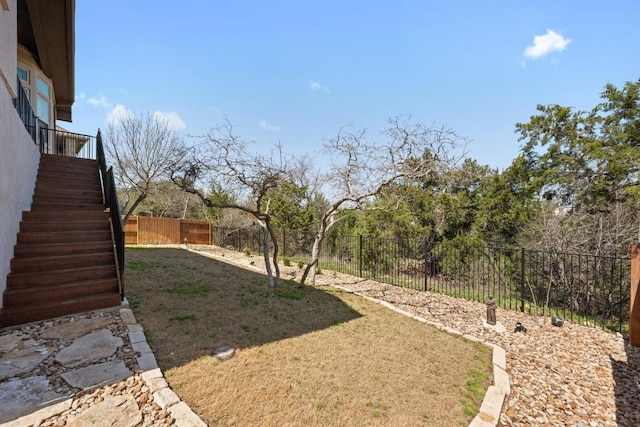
[111, 202]
[25, 111]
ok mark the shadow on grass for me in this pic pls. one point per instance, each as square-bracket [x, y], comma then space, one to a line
[189, 305]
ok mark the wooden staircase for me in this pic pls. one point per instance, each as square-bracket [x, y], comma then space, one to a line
[64, 259]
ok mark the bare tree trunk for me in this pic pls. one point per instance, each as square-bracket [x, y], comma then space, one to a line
[311, 267]
[186, 205]
[265, 253]
[276, 249]
[140, 198]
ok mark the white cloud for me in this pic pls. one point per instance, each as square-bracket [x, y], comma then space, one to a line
[267, 126]
[546, 44]
[117, 113]
[315, 86]
[99, 102]
[172, 118]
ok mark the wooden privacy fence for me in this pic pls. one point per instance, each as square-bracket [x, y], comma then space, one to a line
[143, 230]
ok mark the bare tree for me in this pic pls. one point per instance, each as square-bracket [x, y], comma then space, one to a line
[224, 158]
[558, 228]
[361, 169]
[143, 149]
[165, 199]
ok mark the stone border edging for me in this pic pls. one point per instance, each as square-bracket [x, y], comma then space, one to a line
[153, 377]
[494, 398]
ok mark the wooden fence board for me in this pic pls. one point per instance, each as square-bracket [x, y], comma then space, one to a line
[162, 231]
[131, 231]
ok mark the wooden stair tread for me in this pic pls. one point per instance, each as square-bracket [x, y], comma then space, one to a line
[41, 216]
[16, 297]
[44, 249]
[57, 262]
[57, 271]
[10, 316]
[64, 259]
[61, 227]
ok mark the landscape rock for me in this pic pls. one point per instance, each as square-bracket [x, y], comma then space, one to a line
[96, 375]
[22, 361]
[19, 397]
[120, 411]
[223, 353]
[78, 328]
[8, 342]
[93, 346]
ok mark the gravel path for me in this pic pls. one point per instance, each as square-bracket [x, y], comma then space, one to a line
[560, 376]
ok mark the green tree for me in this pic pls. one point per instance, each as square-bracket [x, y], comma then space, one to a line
[290, 208]
[587, 160]
[587, 163]
[505, 203]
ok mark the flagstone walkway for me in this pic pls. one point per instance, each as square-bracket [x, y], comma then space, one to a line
[91, 369]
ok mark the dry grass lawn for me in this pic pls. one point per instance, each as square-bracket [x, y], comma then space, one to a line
[304, 355]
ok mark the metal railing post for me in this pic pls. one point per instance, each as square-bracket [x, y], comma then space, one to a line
[361, 239]
[284, 242]
[522, 280]
[425, 266]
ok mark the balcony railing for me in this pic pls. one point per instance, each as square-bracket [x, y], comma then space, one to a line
[52, 141]
[23, 107]
[63, 143]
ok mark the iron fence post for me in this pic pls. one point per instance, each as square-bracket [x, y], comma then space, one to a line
[284, 242]
[360, 254]
[522, 280]
[426, 255]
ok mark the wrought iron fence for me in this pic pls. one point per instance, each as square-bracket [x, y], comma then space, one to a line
[583, 288]
[25, 111]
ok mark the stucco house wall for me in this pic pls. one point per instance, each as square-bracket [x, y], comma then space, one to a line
[19, 156]
[8, 37]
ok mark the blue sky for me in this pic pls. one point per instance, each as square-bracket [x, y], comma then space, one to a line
[294, 72]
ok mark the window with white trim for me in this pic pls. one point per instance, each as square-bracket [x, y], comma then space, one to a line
[39, 93]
